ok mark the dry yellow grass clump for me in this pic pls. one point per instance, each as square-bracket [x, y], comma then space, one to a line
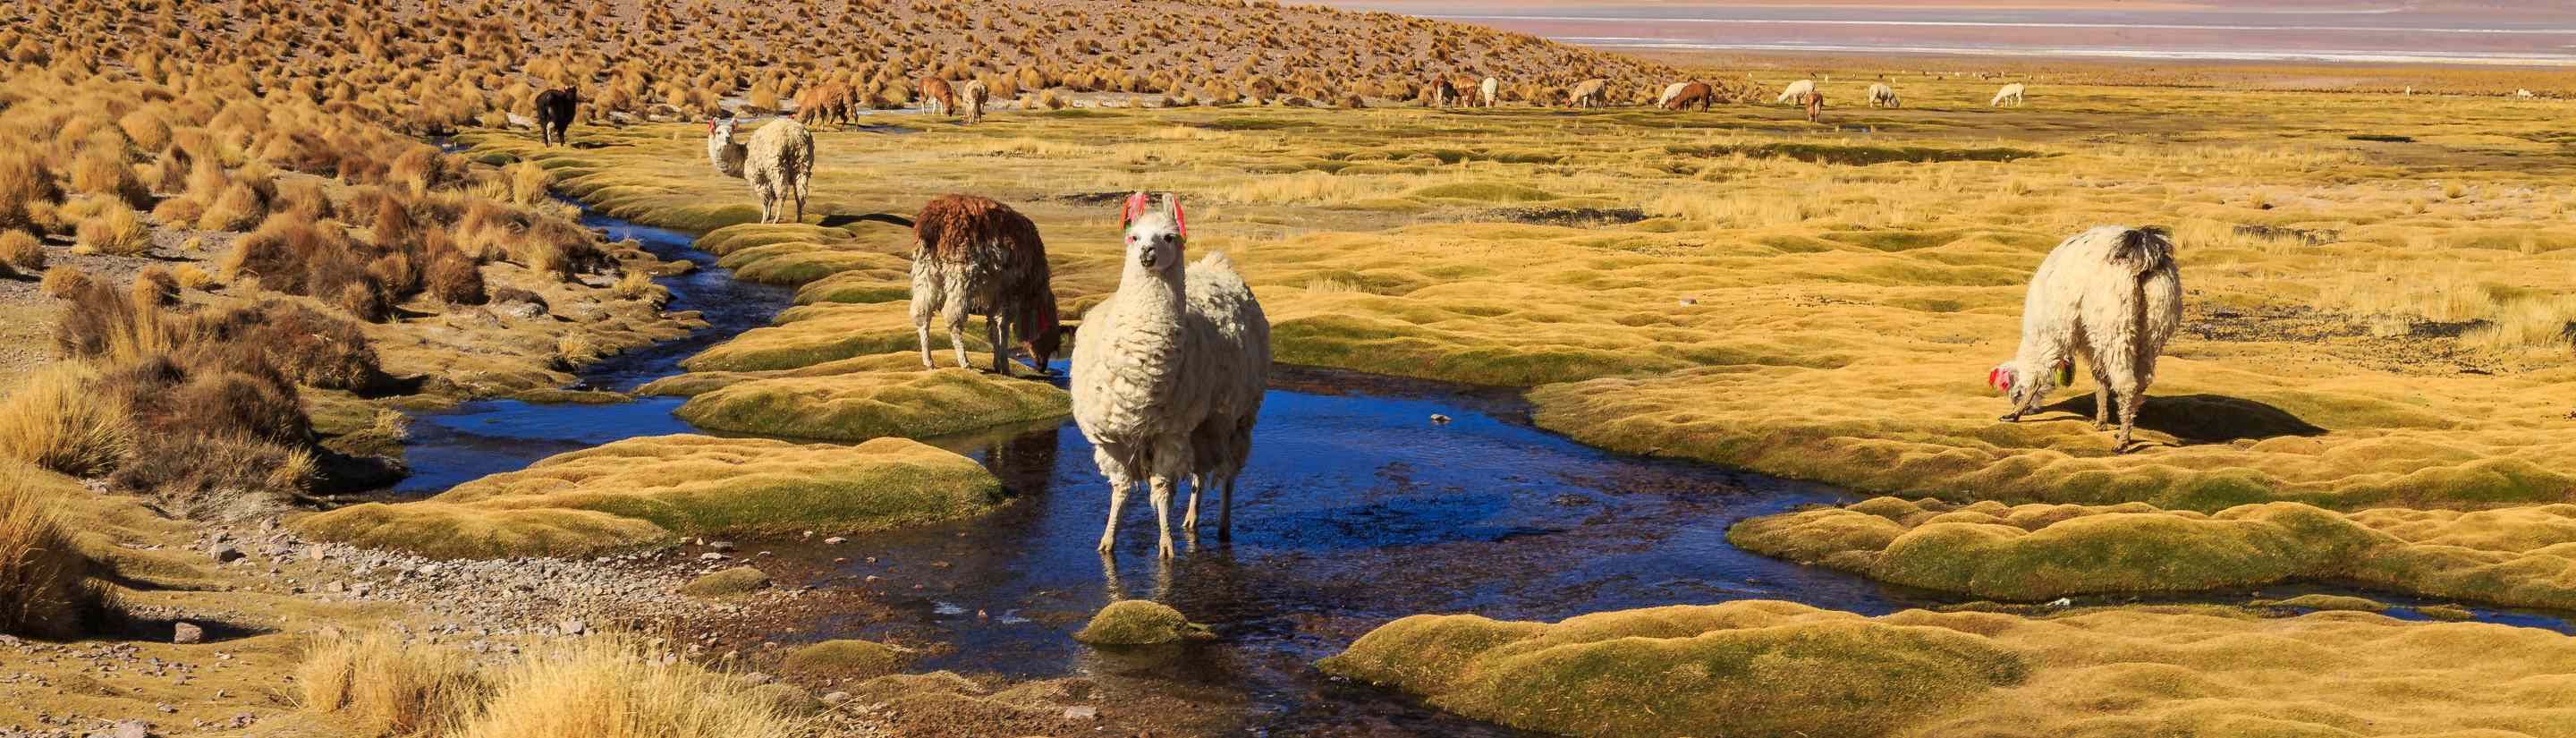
[598, 687]
[44, 585]
[1762, 668]
[2518, 556]
[641, 491]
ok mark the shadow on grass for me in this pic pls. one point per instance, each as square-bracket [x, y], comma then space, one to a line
[2206, 418]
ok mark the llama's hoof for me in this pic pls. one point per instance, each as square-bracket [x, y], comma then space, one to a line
[1106, 544]
[1166, 550]
[2009, 417]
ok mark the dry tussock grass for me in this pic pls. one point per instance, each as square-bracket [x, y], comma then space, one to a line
[44, 586]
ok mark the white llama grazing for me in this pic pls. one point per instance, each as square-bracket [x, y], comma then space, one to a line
[1168, 372]
[1881, 95]
[1489, 92]
[778, 162]
[972, 96]
[1796, 91]
[2009, 92]
[1590, 93]
[2112, 294]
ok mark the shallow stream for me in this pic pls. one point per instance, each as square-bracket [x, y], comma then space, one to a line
[1367, 499]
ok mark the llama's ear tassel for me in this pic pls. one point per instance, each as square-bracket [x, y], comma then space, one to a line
[1180, 220]
[1136, 205]
[2000, 378]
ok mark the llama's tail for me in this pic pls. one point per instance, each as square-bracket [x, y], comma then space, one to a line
[2145, 251]
[836, 221]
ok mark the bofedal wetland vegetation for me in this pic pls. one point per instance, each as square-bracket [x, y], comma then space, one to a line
[339, 400]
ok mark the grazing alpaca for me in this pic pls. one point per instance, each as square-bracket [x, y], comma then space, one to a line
[1814, 102]
[1168, 372]
[936, 93]
[1590, 93]
[973, 95]
[1489, 92]
[778, 162]
[829, 102]
[1796, 92]
[1669, 91]
[2524, 94]
[972, 255]
[1883, 96]
[1698, 93]
[554, 114]
[2009, 92]
[1443, 94]
[2112, 294]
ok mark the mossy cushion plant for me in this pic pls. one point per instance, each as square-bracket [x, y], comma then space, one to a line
[1740, 669]
[648, 490]
[2522, 556]
[846, 659]
[863, 405]
[1139, 623]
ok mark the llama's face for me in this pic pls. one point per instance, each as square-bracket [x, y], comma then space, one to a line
[1155, 236]
[2026, 385]
[721, 131]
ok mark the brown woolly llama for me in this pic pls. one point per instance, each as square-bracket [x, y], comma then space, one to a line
[1815, 103]
[1692, 93]
[936, 93]
[973, 255]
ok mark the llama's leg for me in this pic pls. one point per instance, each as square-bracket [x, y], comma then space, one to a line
[1119, 485]
[2101, 397]
[2129, 400]
[998, 331]
[925, 303]
[1225, 509]
[1190, 512]
[954, 313]
[1170, 463]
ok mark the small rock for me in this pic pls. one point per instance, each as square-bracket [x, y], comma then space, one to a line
[1439, 419]
[835, 541]
[569, 627]
[130, 729]
[1689, 301]
[186, 633]
[758, 678]
[836, 698]
[1081, 712]
[711, 556]
[721, 545]
[224, 554]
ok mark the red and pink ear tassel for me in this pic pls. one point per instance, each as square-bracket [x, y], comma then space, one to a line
[2001, 381]
[1136, 205]
[1180, 222]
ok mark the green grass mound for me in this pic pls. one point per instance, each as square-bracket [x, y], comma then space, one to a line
[863, 285]
[1750, 668]
[1485, 191]
[859, 406]
[798, 263]
[2522, 556]
[1139, 623]
[729, 239]
[642, 491]
[825, 332]
[845, 658]
[2325, 602]
[735, 581]
[692, 384]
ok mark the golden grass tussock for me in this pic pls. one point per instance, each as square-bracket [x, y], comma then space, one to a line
[615, 687]
[2516, 556]
[640, 491]
[44, 586]
[55, 419]
[605, 686]
[380, 685]
[21, 254]
[1766, 668]
[113, 229]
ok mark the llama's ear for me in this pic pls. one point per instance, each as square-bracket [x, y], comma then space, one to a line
[1135, 206]
[1180, 220]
